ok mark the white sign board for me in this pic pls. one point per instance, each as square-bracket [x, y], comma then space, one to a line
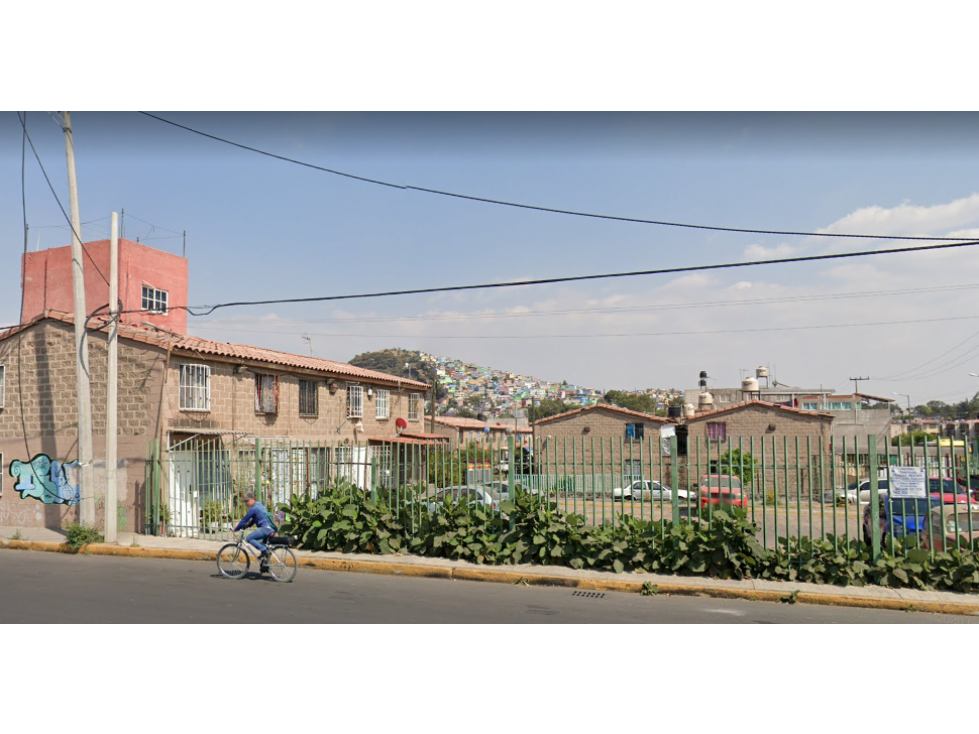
[908, 482]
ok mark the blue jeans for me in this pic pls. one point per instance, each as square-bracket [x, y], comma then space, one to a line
[256, 538]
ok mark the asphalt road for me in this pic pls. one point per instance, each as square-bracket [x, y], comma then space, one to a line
[55, 588]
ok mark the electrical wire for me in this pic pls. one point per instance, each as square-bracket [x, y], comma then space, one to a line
[208, 309]
[623, 309]
[23, 122]
[616, 335]
[551, 210]
[155, 226]
[23, 289]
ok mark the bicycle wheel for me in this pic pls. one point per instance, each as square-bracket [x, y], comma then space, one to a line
[283, 564]
[233, 561]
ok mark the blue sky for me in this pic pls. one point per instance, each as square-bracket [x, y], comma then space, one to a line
[261, 228]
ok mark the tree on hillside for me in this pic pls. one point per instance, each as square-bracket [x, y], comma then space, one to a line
[631, 401]
[547, 408]
[392, 362]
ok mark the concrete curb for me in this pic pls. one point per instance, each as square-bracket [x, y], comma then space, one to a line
[502, 576]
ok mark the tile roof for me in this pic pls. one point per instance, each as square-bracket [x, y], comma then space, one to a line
[228, 351]
[611, 408]
[760, 404]
[474, 424]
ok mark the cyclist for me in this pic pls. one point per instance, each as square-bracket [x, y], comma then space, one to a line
[257, 515]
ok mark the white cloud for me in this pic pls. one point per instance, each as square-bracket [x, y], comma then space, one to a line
[761, 252]
[908, 219]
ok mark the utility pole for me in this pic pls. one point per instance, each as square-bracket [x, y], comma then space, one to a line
[111, 417]
[86, 485]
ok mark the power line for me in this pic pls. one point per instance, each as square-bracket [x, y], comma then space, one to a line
[23, 122]
[569, 212]
[628, 309]
[619, 335]
[207, 309]
[156, 226]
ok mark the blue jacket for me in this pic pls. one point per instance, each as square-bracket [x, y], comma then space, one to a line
[257, 516]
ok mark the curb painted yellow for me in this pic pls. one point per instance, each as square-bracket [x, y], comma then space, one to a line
[500, 576]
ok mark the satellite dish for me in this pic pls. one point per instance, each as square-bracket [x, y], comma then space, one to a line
[401, 424]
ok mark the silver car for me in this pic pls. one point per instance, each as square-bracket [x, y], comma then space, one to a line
[854, 493]
[647, 489]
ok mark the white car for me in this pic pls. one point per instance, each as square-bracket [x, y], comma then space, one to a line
[856, 492]
[646, 489]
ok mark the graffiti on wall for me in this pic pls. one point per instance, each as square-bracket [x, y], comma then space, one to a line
[47, 480]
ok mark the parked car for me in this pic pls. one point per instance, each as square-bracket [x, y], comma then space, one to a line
[502, 489]
[949, 491]
[647, 489]
[947, 527]
[855, 492]
[717, 489]
[903, 517]
[472, 495]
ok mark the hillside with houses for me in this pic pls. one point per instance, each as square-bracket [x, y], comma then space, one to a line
[469, 389]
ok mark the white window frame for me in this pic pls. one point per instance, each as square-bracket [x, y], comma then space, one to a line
[413, 400]
[158, 300]
[382, 404]
[3, 386]
[355, 400]
[200, 393]
[266, 384]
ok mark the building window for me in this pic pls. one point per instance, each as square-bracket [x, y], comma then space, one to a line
[308, 405]
[810, 406]
[384, 458]
[154, 300]
[634, 431]
[3, 386]
[195, 387]
[717, 431]
[382, 404]
[355, 401]
[266, 393]
[413, 406]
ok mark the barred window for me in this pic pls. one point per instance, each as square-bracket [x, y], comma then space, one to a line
[635, 431]
[195, 387]
[382, 404]
[154, 300]
[266, 393]
[308, 405]
[384, 460]
[413, 406]
[717, 431]
[3, 386]
[355, 401]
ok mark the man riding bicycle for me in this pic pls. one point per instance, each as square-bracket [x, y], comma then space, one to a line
[257, 515]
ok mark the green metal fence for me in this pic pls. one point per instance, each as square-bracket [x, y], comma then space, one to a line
[801, 487]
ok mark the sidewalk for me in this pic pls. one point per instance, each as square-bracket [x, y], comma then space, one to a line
[874, 597]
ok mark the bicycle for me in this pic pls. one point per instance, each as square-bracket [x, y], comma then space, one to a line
[235, 558]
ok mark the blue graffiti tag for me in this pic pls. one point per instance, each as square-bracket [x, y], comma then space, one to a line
[46, 480]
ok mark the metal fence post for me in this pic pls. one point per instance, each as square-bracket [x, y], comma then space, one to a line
[257, 483]
[511, 447]
[874, 499]
[674, 479]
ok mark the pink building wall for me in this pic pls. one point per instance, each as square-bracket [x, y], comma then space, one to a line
[48, 282]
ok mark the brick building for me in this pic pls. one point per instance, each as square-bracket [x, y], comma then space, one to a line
[462, 431]
[208, 407]
[790, 445]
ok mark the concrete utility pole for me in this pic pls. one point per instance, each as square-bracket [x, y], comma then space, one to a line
[111, 430]
[86, 485]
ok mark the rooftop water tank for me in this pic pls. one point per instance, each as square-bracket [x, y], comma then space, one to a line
[761, 372]
[706, 400]
[688, 410]
[749, 384]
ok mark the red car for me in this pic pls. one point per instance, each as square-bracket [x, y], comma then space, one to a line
[721, 489]
[948, 491]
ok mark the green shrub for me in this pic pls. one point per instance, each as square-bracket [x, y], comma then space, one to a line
[81, 535]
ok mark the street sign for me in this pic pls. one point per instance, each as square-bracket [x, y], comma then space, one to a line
[908, 482]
